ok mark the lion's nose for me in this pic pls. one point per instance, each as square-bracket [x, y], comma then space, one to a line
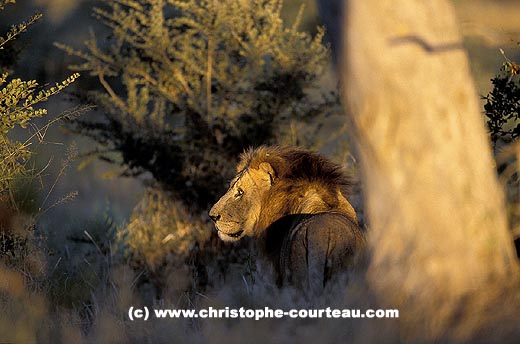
[215, 218]
[214, 213]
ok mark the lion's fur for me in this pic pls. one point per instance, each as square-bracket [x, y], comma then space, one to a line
[295, 206]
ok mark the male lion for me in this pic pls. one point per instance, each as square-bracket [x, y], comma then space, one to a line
[292, 201]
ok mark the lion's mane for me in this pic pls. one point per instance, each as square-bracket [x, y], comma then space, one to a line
[306, 183]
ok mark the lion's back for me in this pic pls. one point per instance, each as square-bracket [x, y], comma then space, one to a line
[317, 247]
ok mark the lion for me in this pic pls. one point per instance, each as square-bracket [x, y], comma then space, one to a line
[293, 202]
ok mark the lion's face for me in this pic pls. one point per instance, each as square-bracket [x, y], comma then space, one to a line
[237, 212]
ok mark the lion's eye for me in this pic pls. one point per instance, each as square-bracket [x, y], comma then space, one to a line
[239, 193]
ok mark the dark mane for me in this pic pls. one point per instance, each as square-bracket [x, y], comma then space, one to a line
[298, 165]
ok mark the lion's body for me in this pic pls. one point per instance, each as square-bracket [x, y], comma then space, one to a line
[308, 250]
[293, 201]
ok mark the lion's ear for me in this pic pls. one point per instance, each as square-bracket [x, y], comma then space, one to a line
[268, 169]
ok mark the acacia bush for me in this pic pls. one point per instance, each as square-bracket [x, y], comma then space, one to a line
[18, 106]
[189, 84]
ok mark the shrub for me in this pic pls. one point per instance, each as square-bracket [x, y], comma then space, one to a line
[502, 107]
[189, 84]
[18, 99]
[158, 224]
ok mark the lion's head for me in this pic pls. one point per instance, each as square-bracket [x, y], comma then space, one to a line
[272, 182]
[238, 211]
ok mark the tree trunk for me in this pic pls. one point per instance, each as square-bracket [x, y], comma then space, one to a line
[437, 224]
